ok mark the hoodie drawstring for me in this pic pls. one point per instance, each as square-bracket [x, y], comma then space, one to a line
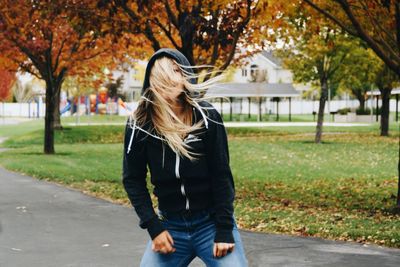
[163, 154]
[134, 127]
[202, 114]
[133, 133]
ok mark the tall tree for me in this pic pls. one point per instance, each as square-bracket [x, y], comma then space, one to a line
[51, 39]
[359, 71]
[316, 58]
[385, 80]
[206, 32]
[375, 22]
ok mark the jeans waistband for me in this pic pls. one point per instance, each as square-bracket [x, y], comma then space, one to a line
[188, 214]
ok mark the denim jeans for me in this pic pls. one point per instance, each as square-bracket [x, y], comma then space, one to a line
[193, 235]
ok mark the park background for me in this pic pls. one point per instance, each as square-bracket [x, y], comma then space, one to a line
[302, 174]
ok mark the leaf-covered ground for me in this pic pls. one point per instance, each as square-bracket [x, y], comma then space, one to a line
[344, 188]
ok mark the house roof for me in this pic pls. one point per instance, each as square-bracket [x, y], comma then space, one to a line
[253, 90]
[269, 56]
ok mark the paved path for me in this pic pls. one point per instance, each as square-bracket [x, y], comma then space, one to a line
[14, 120]
[43, 224]
[2, 139]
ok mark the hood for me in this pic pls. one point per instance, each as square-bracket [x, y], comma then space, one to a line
[167, 52]
[181, 59]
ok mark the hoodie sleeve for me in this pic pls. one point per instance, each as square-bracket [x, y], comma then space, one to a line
[222, 181]
[134, 172]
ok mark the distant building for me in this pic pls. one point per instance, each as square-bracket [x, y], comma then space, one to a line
[132, 79]
[262, 67]
[259, 69]
[261, 79]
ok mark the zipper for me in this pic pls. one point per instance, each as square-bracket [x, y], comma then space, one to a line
[177, 161]
[177, 174]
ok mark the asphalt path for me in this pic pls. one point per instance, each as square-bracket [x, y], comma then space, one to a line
[44, 224]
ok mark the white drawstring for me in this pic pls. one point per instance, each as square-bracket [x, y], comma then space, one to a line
[130, 141]
[202, 114]
[163, 154]
[162, 139]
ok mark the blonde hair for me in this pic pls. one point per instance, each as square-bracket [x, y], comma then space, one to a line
[154, 108]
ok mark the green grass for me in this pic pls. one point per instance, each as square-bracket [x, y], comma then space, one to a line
[22, 128]
[344, 188]
[70, 135]
[94, 119]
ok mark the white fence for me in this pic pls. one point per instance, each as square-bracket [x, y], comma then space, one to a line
[297, 107]
[29, 110]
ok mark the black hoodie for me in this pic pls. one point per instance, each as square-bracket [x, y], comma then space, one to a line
[180, 184]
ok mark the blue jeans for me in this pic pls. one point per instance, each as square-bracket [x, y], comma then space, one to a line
[193, 235]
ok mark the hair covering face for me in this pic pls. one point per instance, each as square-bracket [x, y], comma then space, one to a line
[179, 58]
[170, 53]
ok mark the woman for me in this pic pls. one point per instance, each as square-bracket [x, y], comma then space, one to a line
[182, 139]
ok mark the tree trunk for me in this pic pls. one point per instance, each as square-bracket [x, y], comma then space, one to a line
[49, 120]
[358, 93]
[361, 99]
[385, 93]
[362, 103]
[57, 120]
[322, 101]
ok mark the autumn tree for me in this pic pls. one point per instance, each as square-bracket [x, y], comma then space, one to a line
[7, 77]
[377, 23]
[53, 39]
[7, 80]
[316, 58]
[359, 71]
[206, 32]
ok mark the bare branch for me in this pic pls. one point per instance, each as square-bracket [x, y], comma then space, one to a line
[59, 53]
[170, 14]
[395, 66]
[331, 17]
[239, 30]
[167, 32]
[150, 35]
[215, 39]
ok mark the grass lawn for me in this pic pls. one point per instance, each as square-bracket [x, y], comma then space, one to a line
[342, 189]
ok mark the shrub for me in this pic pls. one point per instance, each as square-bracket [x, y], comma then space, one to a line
[343, 111]
[363, 111]
[367, 111]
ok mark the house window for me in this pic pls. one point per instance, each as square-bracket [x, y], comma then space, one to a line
[244, 72]
[254, 72]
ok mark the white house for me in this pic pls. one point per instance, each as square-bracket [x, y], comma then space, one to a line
[132, 79]
[263, 67]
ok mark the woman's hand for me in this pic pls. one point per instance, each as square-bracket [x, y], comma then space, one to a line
[163, 243]
[221, 249]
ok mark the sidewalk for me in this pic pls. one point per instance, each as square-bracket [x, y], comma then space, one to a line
[14, 120]
[43, 224]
